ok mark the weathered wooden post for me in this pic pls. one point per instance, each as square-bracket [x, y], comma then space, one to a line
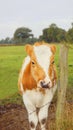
[63, 85]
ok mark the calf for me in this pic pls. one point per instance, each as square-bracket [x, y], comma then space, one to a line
[37, 82]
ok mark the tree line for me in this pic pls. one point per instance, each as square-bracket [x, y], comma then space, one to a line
[51, 34]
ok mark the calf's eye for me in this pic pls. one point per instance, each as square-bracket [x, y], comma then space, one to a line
[52, 62]
[32, 62]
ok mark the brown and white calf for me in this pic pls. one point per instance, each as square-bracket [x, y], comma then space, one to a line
[37, 82]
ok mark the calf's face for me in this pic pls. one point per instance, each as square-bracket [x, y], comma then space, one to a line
[42, 64]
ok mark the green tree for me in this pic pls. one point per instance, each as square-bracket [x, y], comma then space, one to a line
[61, 36]
[70, 35]
[53, 34]
[21, 34]
[31, 40]
[7, 40]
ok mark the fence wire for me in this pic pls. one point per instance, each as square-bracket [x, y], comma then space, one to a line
[7, 80]
[26, 118]
[11, 124]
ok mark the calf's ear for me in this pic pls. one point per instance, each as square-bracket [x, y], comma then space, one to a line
[53, 48]
[29, 49]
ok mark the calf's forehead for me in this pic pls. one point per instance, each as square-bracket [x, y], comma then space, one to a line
[43, 54]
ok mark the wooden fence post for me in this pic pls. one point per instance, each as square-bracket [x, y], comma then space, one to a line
[63, 86]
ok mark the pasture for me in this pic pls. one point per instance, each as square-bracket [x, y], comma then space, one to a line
[11, 59]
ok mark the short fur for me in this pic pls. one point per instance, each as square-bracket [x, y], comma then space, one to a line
[38, 66]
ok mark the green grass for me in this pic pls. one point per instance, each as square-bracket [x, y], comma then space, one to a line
[70, 65]
[11, 58]
[10, 63]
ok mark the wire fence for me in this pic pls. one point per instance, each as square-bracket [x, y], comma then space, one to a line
[25, 119]
[7, 82]
[14, 123]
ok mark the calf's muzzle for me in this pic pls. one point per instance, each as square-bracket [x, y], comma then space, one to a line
[44, 84]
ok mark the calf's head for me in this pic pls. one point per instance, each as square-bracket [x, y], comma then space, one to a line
[42, 64]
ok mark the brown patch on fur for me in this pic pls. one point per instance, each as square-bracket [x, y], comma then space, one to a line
[53, 48]
[37, 72]
[32, 125]
[43, 121]
[27, 80]
[42, 90]
[29, 49]
[52, 71]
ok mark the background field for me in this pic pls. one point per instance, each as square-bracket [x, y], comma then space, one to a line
[11, 58]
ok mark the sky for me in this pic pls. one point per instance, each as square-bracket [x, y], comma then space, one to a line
[34, 14]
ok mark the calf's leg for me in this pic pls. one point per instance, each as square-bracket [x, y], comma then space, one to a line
[32, 115]
[33, 120]
[43, 114]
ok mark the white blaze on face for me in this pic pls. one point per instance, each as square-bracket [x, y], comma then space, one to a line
[43, 54]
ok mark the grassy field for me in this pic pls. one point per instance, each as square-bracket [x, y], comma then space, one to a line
[11, 58]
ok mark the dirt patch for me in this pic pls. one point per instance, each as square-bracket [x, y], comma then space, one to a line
[14, 117]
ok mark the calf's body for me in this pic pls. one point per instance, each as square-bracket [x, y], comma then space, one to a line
[37, 83]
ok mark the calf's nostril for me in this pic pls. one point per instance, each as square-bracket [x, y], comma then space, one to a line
[43, 84]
